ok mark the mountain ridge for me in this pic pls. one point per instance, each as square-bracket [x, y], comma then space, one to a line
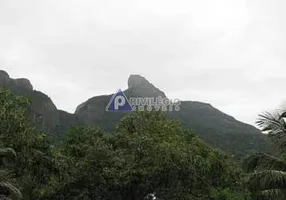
[214, 126]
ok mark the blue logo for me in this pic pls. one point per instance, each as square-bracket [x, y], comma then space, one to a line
[118, 102]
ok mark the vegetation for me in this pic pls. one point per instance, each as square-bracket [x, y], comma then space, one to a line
[33, 162]
[7, 187]
[268, 177]
[213, 126]
[146, 156]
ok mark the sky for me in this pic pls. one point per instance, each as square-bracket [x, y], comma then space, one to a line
[229, 53]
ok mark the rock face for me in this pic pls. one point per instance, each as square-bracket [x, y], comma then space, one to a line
[139, 86]
[92, 112]
[5, 80]
[44, 112]
[4, 77]
[24, 83]
[214, 126]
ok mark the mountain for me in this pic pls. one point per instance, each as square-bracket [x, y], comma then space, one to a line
[43, 111]
[214, 126]
[220, 129]
[138, 86]
[44, 114]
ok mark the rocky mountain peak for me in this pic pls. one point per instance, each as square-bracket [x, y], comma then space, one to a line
[44, 113]
[19, 82]
[138, 85]
[24, 83]
[136, 80]
[4, 77]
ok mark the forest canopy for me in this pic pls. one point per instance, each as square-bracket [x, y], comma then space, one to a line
[146, 156]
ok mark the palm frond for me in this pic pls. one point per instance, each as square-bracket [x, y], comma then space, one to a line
[277, 194]
[282, 115]
[9, 152]
[7, 185]
[271, 123]
[275, 127]
[3, 197]
[261, 161]
[11, 191]
[267, 180]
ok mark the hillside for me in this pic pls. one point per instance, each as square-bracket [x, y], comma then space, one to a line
[214, 126]
[44, 113]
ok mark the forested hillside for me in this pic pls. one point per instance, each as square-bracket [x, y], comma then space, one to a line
[214, 126]
[143, 156]
[146, 156]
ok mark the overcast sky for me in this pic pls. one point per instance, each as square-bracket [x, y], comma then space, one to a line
[230, 53]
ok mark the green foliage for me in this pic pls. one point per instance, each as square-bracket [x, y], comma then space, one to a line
[170, 160]
[213, 126]
[146, 155]
[81, 163]
[267, 178]
[8, 188]
[227, 194]
[33, 163]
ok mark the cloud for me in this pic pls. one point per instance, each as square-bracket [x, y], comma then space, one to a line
[228, 53]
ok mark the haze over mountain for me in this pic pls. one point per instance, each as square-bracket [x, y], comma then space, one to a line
[214, 126]
[224, 52]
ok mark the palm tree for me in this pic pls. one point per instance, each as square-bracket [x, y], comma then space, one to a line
[267, 178]
[8, 190]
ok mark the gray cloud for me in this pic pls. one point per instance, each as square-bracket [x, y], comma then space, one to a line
[230, 53]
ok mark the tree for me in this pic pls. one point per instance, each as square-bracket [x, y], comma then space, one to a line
[33, 162]
[7, 182]
[146, 156]
[160, 157]
[82, 163]
[267, 179]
